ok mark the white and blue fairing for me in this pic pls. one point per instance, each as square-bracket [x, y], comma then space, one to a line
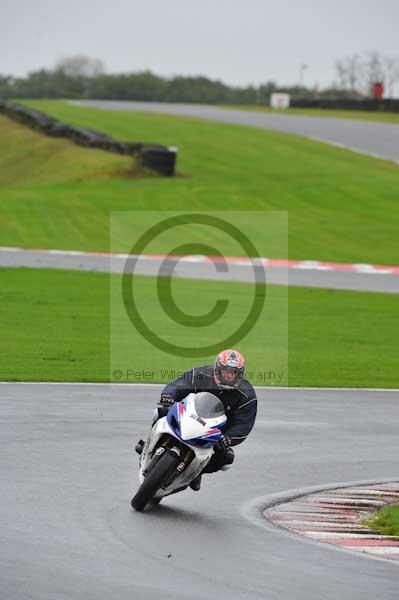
[198, 419]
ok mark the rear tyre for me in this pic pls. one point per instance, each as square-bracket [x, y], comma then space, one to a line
[155, 478]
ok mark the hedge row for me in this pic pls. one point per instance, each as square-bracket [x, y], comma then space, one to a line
[153, 156]
[371, 104]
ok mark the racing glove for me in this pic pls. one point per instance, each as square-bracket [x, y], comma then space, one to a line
[166, 400]
[224, 442]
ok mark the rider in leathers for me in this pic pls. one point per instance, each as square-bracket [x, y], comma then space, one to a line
[224, 379]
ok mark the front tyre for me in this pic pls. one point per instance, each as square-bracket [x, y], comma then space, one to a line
[155, 478]
[156, 501]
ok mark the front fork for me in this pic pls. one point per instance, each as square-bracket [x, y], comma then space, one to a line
[184, 453]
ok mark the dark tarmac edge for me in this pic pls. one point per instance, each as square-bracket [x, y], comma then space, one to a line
[160, 385]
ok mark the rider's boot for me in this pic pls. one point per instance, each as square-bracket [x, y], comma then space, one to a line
[196, 483]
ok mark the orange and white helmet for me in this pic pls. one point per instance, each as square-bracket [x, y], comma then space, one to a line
[229, 368]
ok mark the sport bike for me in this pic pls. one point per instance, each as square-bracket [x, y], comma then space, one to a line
[178, 447]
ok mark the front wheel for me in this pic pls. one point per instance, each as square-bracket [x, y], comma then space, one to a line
[155, 478]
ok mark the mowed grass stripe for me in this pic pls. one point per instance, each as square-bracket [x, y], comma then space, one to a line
[55, 327]
[342, 206]
[28, 157]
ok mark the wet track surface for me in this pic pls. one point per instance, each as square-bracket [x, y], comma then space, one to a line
[68, 472]
[310, 277]
[368, 137]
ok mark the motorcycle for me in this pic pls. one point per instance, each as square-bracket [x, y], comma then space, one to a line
[178, 447]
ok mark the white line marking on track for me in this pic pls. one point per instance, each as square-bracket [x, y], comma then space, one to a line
[315, 523]
[157, 385]
[333, 534]
[377, 550]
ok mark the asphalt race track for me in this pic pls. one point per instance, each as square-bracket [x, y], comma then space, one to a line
[368, 137]
[68, 472]
[310, 277]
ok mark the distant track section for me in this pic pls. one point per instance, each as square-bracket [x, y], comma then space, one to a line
[380, 140]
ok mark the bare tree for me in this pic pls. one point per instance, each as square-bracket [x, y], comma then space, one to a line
[374, 69]
[395, 76]
[391, 74]
[342, 74]
[81, 66]
[357, 73]
[354, 71]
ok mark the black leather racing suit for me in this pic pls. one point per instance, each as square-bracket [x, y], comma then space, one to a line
[240, 405]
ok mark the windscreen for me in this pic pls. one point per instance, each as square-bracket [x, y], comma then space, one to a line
[208, 406]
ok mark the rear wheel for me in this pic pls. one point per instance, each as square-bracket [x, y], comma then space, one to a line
[155, 478]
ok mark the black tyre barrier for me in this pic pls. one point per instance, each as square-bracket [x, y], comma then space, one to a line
[61, 130]
[133, 148]
[160, 159]
[151, 156]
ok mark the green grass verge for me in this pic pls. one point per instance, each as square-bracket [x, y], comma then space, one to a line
[28, 158]
[359, 115]
[385, 521]
[342, 206]
[55, 327]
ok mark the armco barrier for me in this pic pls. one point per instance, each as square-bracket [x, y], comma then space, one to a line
[156, 157]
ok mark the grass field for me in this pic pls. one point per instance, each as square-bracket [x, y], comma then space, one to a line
[361, 115]
[342, 206]
[385, 521]
[55, 326]
[28, 158]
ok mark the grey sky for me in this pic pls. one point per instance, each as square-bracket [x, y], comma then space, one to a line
[235, 41]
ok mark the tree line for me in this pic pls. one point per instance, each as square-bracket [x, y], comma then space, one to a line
[84, 77]
[133, 86]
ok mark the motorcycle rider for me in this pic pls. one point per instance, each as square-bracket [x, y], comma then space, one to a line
[225, 379]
